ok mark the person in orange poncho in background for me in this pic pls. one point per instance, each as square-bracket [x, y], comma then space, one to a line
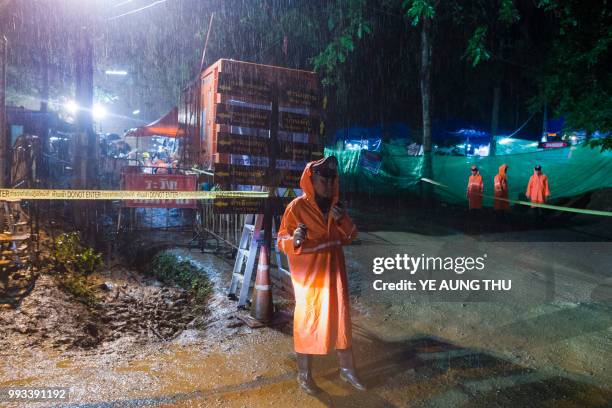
[537, 189]
[475, 188]
[312, 232]
[500, 183]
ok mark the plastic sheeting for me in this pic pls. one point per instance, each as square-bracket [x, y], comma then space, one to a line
[571, 171]
[514, 146]
[167, 126]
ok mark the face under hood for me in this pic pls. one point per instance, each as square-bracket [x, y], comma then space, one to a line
[308, 188]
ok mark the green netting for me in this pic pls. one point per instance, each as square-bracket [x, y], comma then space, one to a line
[571, 171]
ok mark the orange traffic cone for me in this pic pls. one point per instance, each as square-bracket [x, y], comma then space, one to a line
[261, 306]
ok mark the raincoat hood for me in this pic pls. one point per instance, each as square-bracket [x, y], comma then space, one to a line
[308, 188]
[502, 170]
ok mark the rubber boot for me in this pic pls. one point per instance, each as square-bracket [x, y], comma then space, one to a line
[304, 378]
[347, 369]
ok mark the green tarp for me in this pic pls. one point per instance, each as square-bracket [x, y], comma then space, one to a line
[571, 171]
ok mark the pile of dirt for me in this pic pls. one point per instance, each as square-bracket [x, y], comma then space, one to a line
[126, 306]
[146, 310]
[47, 316]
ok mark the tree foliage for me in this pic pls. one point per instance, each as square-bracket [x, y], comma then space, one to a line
[576, 76]
[347, 24]
[417, 10]
[558, 51]
[476, 51]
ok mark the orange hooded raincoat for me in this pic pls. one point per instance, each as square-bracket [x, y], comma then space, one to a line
[474, 191]
[537, 188]
[321, 320]
[500, 183]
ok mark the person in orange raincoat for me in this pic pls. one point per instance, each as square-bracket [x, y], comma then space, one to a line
[475, 188]
[537, 189]
[500, 183]
[312, 232]
[161, 166]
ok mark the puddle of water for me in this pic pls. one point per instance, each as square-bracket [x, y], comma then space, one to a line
[64, 364]
[20, 382]
[134, 367]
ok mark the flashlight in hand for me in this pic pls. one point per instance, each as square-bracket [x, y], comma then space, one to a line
[301, 229]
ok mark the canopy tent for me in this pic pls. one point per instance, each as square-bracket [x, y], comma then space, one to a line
[167, 126]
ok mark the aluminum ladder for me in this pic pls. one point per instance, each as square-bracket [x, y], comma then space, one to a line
[242, 274]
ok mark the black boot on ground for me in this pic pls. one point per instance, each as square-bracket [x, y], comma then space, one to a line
[347, 369]
[304, 378]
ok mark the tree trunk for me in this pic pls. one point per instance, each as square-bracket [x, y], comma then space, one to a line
[330, 114]
[495, 118]
[426, 103]
[545, 123]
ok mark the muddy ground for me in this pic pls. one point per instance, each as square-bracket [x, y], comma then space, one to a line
[128, 307]
[547, 342]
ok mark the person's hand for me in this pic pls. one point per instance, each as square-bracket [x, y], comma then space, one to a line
[299, 235]
[338, 212]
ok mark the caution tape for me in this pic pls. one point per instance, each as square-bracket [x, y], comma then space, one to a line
[528, 203]
[50, 194]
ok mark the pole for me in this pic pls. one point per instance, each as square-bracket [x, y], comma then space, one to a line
[206, 42]
[84, 98]
[3, 124]
[43, 171]
[83, 158]
[262, 305]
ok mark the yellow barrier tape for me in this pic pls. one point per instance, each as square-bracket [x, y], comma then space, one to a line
[528, 203]
[43, 194]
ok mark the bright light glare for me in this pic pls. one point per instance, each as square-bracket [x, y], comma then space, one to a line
[98, 111]
[136, 112]
[115, 72]
[71, 107]
[505, 141]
